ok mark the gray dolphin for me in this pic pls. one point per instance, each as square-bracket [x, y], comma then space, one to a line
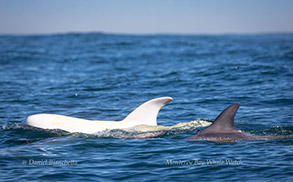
[223, 129]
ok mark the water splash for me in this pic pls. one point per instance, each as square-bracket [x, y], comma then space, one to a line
[147, 131]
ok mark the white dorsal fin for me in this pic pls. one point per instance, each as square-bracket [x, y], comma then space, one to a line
[147, 112]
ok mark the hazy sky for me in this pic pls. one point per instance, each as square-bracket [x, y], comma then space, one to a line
[146, 16]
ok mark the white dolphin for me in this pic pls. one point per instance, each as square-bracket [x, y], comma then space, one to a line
[145, 114]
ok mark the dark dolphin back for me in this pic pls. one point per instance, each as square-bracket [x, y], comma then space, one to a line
[224, 122]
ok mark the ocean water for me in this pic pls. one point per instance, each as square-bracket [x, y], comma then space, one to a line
[106, 76]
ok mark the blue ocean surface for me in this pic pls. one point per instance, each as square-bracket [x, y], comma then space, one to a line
[105, 76]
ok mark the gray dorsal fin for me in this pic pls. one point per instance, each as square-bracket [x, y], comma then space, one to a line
[224, 122]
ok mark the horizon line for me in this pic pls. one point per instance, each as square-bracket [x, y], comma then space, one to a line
[146, 34]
